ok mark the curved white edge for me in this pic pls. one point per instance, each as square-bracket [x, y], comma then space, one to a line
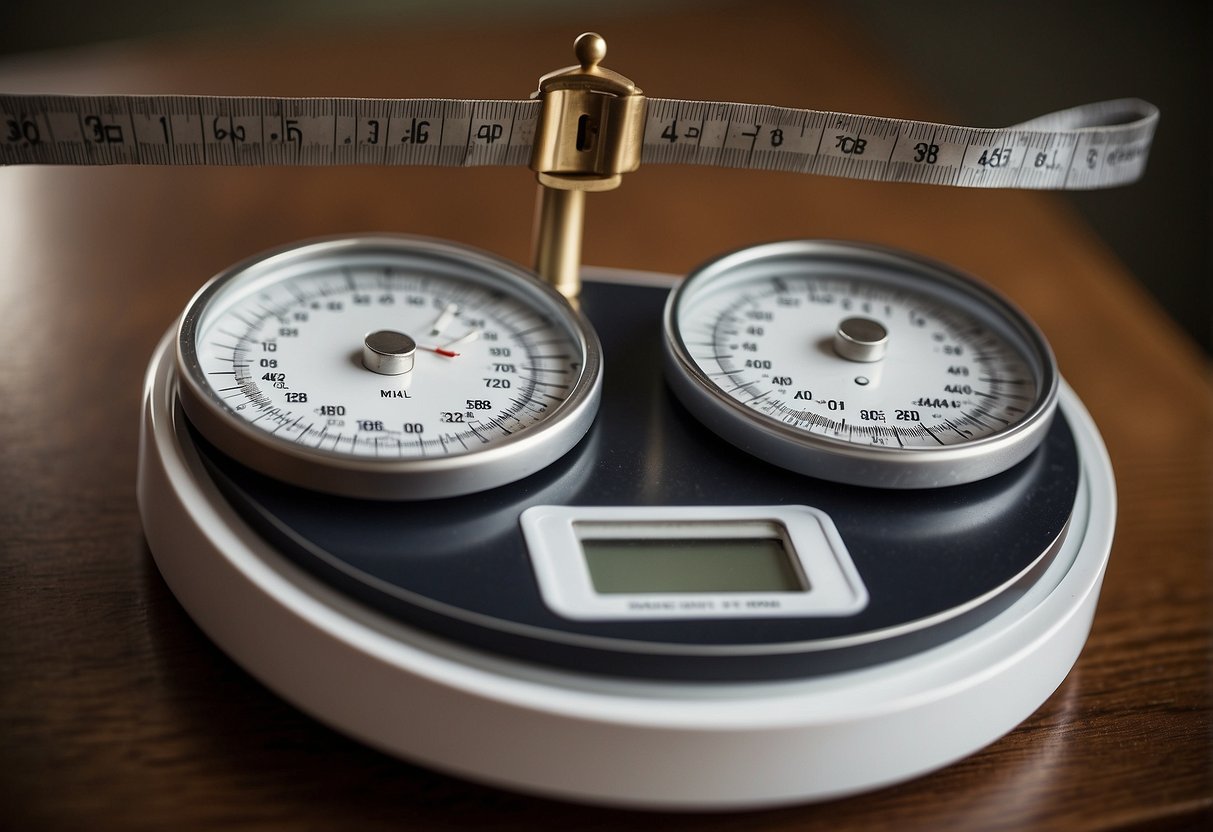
[612, 742]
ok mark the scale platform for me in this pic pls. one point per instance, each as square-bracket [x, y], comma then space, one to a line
[457, 633]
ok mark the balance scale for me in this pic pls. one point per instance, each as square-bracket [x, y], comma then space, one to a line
[821, 519]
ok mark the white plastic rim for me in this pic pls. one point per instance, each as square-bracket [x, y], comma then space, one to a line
[650, 745]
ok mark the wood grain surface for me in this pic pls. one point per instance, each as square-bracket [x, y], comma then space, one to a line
[117, 713]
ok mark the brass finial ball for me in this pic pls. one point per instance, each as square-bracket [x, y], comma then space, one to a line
[590, 49]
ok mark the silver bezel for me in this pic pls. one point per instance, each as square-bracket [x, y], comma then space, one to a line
[332, 472]
[833, 459]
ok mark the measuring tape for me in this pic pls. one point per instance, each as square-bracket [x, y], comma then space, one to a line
[1091, 146]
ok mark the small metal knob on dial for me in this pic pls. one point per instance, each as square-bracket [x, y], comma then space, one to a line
[861, 339]
[389, 353]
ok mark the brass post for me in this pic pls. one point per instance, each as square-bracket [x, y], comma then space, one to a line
[559, 219]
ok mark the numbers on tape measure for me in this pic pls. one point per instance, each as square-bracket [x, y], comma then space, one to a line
[1097, 145]
[203, 130]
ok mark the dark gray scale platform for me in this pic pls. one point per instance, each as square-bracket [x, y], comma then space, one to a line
[935, 563]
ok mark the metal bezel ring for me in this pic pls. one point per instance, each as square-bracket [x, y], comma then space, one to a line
[833, 459]
[505, 461]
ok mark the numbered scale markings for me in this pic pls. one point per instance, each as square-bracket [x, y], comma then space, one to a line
[387, 367]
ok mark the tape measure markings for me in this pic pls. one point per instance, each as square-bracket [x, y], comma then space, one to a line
[213, 130]
[1092, 146]
[870, 147]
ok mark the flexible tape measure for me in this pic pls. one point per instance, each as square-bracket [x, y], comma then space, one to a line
[1091, 146]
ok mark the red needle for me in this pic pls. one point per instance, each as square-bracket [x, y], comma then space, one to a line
[439, 350]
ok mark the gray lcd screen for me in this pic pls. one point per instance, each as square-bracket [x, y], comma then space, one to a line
[636, 566]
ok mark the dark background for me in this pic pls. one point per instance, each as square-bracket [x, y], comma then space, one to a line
[988, 64]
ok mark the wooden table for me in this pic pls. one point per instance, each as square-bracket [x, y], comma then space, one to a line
[116, 712]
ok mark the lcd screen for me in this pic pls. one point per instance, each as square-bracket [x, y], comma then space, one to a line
[636, 566]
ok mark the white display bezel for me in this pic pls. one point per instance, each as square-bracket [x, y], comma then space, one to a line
[554, 536]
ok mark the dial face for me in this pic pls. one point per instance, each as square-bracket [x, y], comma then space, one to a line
[431, 372]
[944, 379]
[864, 368]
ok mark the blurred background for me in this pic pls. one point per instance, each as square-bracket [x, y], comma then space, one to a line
[984, 63]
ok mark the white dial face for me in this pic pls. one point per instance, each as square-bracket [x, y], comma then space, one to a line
[857, 361]
[286, 356]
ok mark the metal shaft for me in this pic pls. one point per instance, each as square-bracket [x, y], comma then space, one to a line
[558, 223]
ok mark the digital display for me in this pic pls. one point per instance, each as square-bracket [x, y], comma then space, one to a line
[635, 566]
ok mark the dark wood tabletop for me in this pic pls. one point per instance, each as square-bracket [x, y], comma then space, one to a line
[116, 712]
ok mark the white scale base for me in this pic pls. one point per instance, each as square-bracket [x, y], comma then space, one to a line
[627, 743]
